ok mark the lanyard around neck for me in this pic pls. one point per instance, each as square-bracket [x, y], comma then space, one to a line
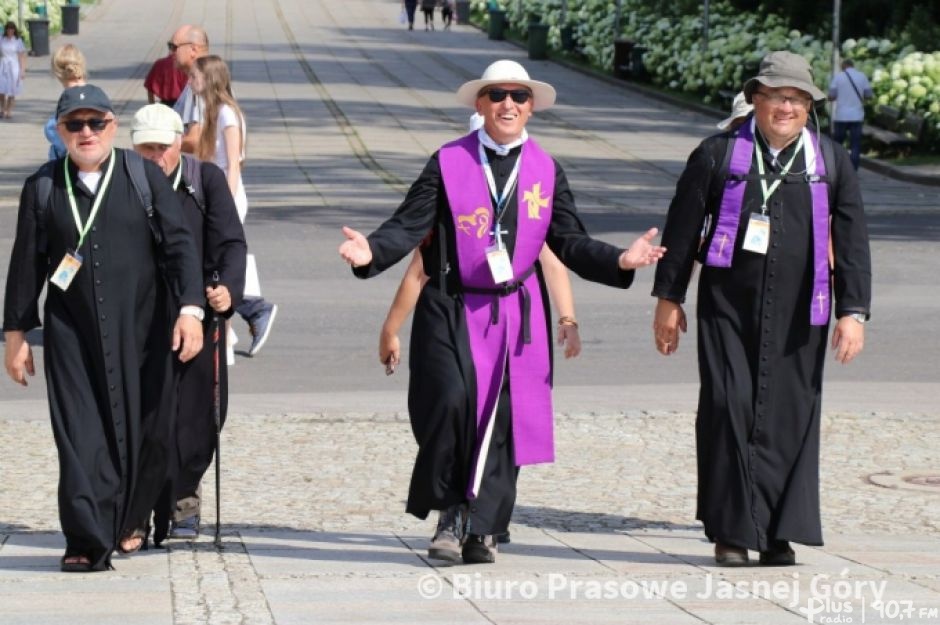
[500, 201]
[99, 197]
[767, 191]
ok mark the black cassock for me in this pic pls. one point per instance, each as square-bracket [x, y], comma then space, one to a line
[106, 339]
[760, 360]
[178, 455]
[442, 386]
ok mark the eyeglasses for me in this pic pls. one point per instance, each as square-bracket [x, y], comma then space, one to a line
[173, 47]
[519, 96]
[776, 99]
[95, 124]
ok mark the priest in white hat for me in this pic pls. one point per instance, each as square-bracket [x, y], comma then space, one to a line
[480, 388]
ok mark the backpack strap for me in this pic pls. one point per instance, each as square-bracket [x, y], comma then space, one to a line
[43, 202]
[192, 172]
[134, 164]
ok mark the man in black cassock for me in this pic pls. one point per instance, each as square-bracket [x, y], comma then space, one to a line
[442, 394]
[126, 290]
[772, 260]
[210, 214]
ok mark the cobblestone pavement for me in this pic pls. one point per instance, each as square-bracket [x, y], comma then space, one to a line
[613, 472]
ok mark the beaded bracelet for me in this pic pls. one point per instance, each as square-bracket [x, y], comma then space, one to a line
[565, 320]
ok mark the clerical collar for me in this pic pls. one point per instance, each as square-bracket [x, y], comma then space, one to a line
[501, 150]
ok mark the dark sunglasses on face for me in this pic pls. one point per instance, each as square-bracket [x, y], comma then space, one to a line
[173, 47]
[519, 96]
[95, 124]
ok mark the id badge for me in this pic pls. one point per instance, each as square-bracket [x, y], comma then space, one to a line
[757, 237]
[500, 265]
[65, 272]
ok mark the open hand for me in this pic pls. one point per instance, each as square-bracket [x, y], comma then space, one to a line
[355, 250]
[642, 252]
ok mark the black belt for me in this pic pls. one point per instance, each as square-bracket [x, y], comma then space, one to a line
[505, 290]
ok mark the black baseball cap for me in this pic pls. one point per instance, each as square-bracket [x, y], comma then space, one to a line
[83, 97]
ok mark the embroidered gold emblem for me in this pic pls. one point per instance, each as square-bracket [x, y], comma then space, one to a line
[535, 201]
[479, 219]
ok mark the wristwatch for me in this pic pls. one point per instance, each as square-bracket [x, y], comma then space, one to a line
[195, 311]
[860, 317]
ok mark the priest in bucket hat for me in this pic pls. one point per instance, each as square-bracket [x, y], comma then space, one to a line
[480, 387]
[773, 211]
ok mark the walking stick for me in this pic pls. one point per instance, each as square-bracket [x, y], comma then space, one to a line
[217, 413]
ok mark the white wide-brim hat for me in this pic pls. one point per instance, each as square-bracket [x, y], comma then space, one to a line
[507, 72]
[739, 108]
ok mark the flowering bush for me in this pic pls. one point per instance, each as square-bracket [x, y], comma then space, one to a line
[678, 58]
[912, 85]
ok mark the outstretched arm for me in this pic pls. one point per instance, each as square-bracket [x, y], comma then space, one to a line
[559, 289]
[405, 299]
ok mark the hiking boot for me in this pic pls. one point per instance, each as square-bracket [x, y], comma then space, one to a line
[779, 554]
[260, 327]
[479, 549]
[726, 555]
[186, 529]
[449, 535]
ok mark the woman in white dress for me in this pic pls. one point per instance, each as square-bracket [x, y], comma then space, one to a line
[12, 68]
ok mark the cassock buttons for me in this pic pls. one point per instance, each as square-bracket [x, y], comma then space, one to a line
[95, 246]
[104, 317]
[101, 300]
[97, 264]
[112, 387]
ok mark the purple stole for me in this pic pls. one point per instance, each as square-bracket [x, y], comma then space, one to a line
[495, 317]
[721, 249]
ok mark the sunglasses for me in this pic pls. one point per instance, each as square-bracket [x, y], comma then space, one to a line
[519, 96]
[95, 124]
[173, 47]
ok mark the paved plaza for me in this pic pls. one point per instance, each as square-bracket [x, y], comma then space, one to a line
[344, 107]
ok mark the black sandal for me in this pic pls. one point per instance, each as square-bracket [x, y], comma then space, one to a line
[81, 563]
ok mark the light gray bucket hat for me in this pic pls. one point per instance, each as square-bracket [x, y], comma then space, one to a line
[784, 69]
